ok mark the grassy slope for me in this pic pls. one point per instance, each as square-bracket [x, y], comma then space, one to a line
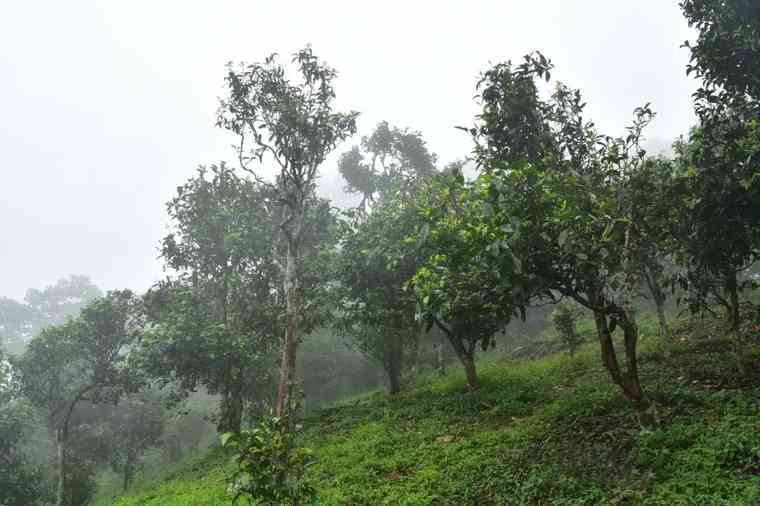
[552, 431]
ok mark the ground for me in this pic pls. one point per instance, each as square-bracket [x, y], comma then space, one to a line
[550, 431]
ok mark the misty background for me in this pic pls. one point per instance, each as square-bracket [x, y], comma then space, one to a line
[107, 107]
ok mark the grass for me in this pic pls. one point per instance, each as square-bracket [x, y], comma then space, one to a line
[550, 431]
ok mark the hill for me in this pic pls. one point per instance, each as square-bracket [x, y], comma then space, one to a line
[550, 431]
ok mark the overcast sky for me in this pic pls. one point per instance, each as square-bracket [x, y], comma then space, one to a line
[107, 106]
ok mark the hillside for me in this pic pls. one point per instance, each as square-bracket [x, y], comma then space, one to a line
[551, 431]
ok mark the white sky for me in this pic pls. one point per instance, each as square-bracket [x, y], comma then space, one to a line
[107, 106]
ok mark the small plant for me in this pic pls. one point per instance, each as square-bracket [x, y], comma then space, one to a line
[270, 464]
[564, 317]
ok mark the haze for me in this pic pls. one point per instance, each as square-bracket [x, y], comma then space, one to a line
[107, 106]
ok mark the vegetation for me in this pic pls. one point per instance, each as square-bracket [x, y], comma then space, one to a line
[550, 431]
[549, 219]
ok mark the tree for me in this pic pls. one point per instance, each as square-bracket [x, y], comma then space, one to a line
[376, 260]
[133, 427]
[65, 298]
[564, 317]
[294, 124]
[16, 324]
[215, 322]
[21, 484]
[373, 265]
[82, 360]
[719, 167]
[387, 161]
[726, 53]
[19, 322]
[557, 207]
[459, 284]
[656, 198]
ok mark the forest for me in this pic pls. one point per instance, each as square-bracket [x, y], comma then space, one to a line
[558, 317]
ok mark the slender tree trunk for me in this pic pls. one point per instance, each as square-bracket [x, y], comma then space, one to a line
[659, 300]
[128, 470]
[293, 309]
[665, 335]
[734, 321]
[231, 416]
[393, 363]
[62, 442]
[440, 365]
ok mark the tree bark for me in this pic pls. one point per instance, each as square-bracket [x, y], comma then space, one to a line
[440, 365]
[393, 363]
[231, 416]
[659, 300]
[293, 309]
[734, 320]
[628, 379]
[128, 470]
[469, 369]
[62, 443]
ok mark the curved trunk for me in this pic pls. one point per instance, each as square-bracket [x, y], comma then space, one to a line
[628, 379]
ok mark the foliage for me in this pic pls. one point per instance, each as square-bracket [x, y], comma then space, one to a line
[133, 426]
[19, 322]
[270, 465]
[217, 321]
[81, 361]
[390, 160]
[21, 483]
[726, 53]
[459, 286]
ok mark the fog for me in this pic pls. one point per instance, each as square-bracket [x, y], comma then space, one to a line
[107, 106]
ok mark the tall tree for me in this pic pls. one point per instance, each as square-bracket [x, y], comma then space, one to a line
[294, 124]
[82, 360]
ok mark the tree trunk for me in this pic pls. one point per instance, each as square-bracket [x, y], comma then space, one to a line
[734, 320]
[393, 363]
[62, 442]
[231, 416]
[128, 470]
[627, 380]
[469, 369]
[292, 311]
[440, 365]
[665, 336]
[659, 300]
[467, 357]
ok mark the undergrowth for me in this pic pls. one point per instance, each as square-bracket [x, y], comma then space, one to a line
[550, 431]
